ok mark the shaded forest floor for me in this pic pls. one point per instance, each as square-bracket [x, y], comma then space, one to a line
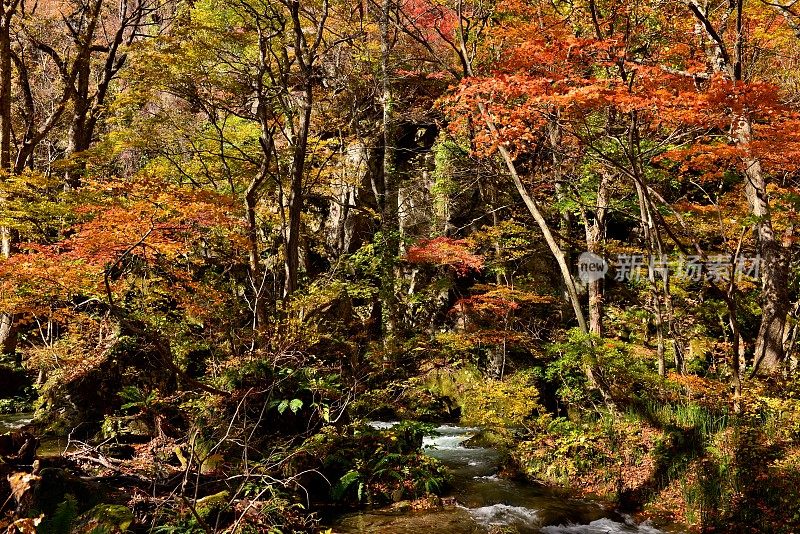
[288, 443]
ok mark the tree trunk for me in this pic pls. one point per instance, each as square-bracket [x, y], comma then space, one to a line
[8, 336]
[254, 264]
[390, 217]
[595, 233]
[76, 139]
[79, 136]
[292, 261]
[6, 14]
[661, 298]
[736, 353]
[769, 349]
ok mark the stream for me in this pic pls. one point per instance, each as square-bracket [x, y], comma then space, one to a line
[488, 503]
[12, 422]
[47, 447]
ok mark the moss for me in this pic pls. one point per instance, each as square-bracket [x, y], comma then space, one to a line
[490, 439]
[212, 504]
[455, 384]
[107, 518]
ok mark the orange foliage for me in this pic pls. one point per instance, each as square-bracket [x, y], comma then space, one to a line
[498, 301]
[543, 71]
[445, 251]
[150, 222]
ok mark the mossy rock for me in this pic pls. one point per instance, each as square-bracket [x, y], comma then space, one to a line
[452, 384]
[208, 506]
[70, 400]
[489, 439]
[110, 518]
[401, 506]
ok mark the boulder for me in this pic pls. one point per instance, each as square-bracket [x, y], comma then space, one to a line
[42, 492]
[106, 518]
[18, 448]
[82, 399]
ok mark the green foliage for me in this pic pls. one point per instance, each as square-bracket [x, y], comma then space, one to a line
[62, 519]
[689, 416]
[134, 397]
[449, 161]
[186, 526]
[108, 518]
[294, 405]
[378, 466]
[562, 451]
[339, 490]
[247, 373]
[35, 202]
[625, 373]
[509, 403]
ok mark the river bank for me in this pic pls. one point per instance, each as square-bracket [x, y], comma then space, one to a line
[481, 500]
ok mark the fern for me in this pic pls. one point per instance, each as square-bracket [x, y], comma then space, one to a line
[340, 489]
[62, 519]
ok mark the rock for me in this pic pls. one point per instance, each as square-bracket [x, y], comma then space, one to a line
[41, 493]
[18, 448]
[402, 506]
[488, 439]
[434, 501]
[74, 399]
[212, 504]
[106, 518]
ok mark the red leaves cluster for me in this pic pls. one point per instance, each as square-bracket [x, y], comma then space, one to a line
[433, 20]
[445, 251]
[486, 304]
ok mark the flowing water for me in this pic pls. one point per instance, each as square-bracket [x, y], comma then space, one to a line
[488, 503]
[11, 422]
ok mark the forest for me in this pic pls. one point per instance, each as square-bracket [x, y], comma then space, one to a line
[399, 266]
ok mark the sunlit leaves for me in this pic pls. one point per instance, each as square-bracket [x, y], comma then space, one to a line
[35, 205]
[145, 222]
[498, 301]
[445, 251]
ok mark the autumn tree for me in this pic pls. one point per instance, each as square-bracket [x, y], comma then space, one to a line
[727, 59]
[253, 111]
